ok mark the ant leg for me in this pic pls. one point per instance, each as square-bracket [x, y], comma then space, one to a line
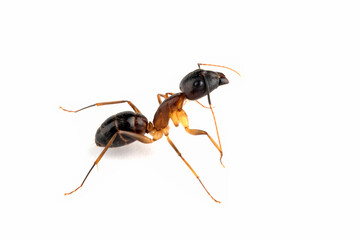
[201, 132]
[106, 103]
[164, 96]
[139, 137]
[178, 152]
[183, 119]
[95, 163]
[136, 136]
[202, 105]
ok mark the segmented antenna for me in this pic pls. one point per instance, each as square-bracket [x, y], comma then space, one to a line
[213, 65]
[208, 94]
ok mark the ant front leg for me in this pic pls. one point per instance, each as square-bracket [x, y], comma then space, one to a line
[105, 103]
[182, 117]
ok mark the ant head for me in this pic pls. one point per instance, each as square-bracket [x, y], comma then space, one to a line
[200, 83]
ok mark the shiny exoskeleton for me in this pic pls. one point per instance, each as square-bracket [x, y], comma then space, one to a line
[127, 127]
[126, 121]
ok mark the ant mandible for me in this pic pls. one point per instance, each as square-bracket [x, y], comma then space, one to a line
[127, 127]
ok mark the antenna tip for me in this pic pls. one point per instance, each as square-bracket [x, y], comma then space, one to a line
[214, 65]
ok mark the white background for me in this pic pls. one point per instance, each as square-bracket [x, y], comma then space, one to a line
[289, 126]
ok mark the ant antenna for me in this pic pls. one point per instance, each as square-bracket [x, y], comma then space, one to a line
[213, 65]
[208, 95]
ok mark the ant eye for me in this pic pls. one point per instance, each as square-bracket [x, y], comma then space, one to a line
[198, 84]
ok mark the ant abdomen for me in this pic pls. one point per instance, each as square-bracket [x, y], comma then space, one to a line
[125, 121]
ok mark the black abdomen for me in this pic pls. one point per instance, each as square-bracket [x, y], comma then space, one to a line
[125, 121]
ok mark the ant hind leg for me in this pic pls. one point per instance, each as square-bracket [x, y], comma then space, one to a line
[136, 136]
[95, 163]
[103, 104]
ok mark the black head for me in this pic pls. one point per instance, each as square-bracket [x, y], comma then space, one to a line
[200, 83]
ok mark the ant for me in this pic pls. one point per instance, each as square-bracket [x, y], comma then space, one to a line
[126, 127]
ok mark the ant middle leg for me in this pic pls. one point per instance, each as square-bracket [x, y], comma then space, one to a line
[187, 164]
[105, 103]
